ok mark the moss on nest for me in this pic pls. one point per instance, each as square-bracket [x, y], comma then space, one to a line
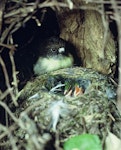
[90, 112]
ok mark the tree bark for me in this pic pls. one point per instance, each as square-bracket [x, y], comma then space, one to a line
[2, 7]
[86, 31]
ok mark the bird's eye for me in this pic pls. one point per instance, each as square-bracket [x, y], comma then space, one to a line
[53, 50]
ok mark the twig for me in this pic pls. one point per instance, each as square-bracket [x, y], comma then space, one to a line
[57, 142]
[4, 94]
[102, 1]
[12, 141]
[118, 21]
[10, 136]
[12, 47]
[14, 73]
[5, 133]
[6, 32]
[14, 99]
[8, 111]
[2, 7]
[37, 103]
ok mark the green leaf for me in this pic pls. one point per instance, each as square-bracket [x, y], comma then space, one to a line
[83, 142]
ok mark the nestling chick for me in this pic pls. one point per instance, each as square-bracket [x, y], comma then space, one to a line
[53, 55]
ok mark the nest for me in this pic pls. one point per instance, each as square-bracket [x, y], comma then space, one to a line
[91, 111]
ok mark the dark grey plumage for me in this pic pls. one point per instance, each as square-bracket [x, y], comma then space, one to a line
[53, 55]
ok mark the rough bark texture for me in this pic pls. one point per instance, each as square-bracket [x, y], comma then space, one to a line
[85, 30]
[2, 7]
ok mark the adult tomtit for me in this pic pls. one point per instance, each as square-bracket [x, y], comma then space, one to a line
[53, 55]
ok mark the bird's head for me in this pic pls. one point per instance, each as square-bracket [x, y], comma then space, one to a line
[54, 55]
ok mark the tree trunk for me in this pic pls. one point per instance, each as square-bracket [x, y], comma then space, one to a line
[87, 32]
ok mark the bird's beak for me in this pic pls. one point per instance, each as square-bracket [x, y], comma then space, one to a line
[61, 50]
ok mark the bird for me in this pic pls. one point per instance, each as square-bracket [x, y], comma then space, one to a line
[53, 54]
